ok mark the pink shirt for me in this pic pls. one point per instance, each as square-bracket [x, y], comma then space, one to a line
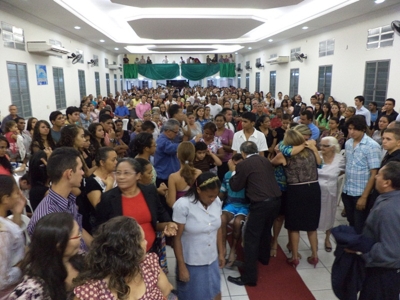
[141, 109]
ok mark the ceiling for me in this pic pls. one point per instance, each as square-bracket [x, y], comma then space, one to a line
[205, 26]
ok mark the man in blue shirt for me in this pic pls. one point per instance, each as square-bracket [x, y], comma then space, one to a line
[306, 118]
[121, 111]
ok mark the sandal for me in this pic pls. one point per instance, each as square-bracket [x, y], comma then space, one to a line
[273, 252]
[328, 248]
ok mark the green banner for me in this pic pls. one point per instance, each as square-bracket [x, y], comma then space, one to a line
[227, 70]
[159, 71]
[199, 71]
[130, 71]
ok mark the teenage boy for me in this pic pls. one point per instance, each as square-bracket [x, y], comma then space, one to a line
[58, 121]
[107, 122]
[280, 131]
[72, 115]
[205, 159]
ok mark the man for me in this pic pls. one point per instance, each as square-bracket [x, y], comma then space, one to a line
[227, 112]
[260, 111]
[142, 107]
[142, 61]
[72, 115]
[382, 276]
[297, 106]
[64, 168]
[361, 110]
[279, 100]
[13, 110]
[306, 118]
[313, 100]
[249, 133]
[256, 175]
[109, 134]
[391, 143]
[215, 108]
[57, 120]
[165, 60]
[388, 111]
[26, 136]
[176, 112]
[363, 156]
[121, 111]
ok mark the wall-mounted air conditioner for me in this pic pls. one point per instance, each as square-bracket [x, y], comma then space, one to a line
[113, 67]
[42, 47]
[278, 60]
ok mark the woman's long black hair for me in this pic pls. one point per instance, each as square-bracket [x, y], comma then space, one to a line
[213, 184]
[4, 161]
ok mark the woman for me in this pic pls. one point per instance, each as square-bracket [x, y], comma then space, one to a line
[163, 113]
[101, 181]
[335, 111]
[226, 137]
[333, 164]
[180, 182]
[12, 242]
[38, 177]
[31, 125]
[195, 127]
[135, 200]
[317, 110]
[93, 113]
[5, 164]
[349, 112]
[343, 107]
[272, 104]
[235, 108]
[96, 137]
[267, 100]
[323, 119]
[247, 104]
[285, 107]
[207, 116]
[373, 108]
[47, 265]
[198, 215]
[334, 131]
[42, 138]
[303, 202]
[213, 143]
[117, 266]
[101, 104]
[136, 128]
[382, 125]
[85, 116]
[264, 125]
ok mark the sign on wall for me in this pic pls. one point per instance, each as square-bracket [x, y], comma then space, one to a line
[41, 75]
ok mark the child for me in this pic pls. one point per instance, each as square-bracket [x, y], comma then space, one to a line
[120, 147]
[25, 185]
[205, 159]
[281, 130]
[11, 135]
[235, 207]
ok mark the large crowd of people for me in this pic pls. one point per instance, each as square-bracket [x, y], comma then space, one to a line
[90, 199]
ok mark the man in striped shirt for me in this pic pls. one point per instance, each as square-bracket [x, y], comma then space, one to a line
[64, 168]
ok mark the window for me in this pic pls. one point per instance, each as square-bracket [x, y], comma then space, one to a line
[59, 88]
[96, 61]
[13, 37]
[273, 56]
[115, 84]
[258, 62]
[293, 52]
[258, 82]
[106, 62]
[380, 37]
[97, 81]
[239, 77]
[122, 83]
[239, 66]
[325, 80]
[247, 65]
[327, 47]
[272, 82]
[19, 88]
[82, 83]
[294, 82]
[247, 81]
[108, 83]
[376, 81]
[55, 43]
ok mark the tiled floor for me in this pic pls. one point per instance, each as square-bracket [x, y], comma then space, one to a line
[317, 280]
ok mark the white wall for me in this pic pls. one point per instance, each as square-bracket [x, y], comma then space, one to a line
[43, 97]
[348, 60]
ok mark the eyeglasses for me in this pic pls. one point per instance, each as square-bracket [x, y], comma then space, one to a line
[76, 237]
[125, 174]
[325, 146]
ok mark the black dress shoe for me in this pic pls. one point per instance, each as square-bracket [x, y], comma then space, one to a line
[238, 281]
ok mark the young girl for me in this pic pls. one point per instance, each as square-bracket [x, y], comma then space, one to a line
[200, 117]
[31, 125]
[85, 117]
[96, 137]
[247, 104]
[42, 138]
[199, 240]
[5, 165]
[323, 119]
[11, 135]
[93, 113]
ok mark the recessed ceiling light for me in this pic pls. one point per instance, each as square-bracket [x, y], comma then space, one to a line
[379, 1]
[77, 27]
[102, 41]
[116, 48]
[235, 52]
[270, 40]
[249, 48]
[305, 27]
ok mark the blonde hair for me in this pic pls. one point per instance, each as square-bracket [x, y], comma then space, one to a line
[293, 138]
[303, 129]
[186, 154]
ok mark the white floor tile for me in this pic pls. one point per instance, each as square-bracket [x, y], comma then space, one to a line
[224, 287]
[170, 252]
[171, 265]
[326, 258]
[324, 295]
[240, 298]
[316, 279]
[235, 290]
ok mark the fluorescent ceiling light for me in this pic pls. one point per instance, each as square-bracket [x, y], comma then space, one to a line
[185, 49]
[116, 48]
[77, 27]
[235, 52]
[379, 1]
[270, 40]
[305, 27]
[249, 48]
[102, 41]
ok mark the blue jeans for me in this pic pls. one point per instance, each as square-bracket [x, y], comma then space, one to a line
[355, 217]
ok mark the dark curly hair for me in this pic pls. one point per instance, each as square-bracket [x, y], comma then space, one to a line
[68, 135]
[142, 140]
[115, 253]
[94, 143]
[37, 140]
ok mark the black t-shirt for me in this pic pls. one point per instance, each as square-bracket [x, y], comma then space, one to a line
[280, 133]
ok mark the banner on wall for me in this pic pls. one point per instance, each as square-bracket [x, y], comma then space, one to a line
[41, 75]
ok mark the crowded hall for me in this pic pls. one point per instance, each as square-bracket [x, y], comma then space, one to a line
[199, 150]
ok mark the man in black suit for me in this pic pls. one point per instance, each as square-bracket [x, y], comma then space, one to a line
[256, 175]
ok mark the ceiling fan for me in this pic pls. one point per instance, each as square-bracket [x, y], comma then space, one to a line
[300, 56]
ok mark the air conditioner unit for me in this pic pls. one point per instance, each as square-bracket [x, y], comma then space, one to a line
[42, 47]
[278, 60]
[113, 67]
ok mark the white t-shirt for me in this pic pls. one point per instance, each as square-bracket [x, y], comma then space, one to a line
[278, 103]
[257, 137]
[214, 109]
